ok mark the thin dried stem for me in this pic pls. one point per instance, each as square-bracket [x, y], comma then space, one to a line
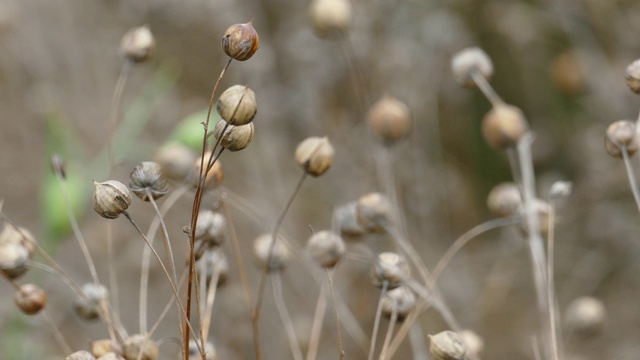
[376, 322]
[550, 278]
[631, 175]
[335, 306]
[236, 252]
[115, 105]
[388, 336]
[56, 332]
[316, 327]
[165, 311]
[211, 296]
[276, 284]
[486, 88]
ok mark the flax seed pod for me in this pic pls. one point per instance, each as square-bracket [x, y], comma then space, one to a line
[621, 135]
[235, 138]
[391, 268]
[111, 356]
[148, 175]
[111, 198]
[504, 199]
[468, 61]
[30, 299]
[374, 212]
[346, 221]
[104, 346]
[176, 161]
[139, 347]
[447, 345]
[214, 176]
[315, 155]
[400, 301]
[237, 105]
[240, 41]
[632, 76]
[326, 248]
[88, 306]
[585, 316]
[542, 208]
[211, 227]
[13, 259]
[80, 355]
[212, 261]
[138, 44]
[504, 126]
[390, 120]
[473, 343]
[281, 256]
[19, 236]
[330, 18]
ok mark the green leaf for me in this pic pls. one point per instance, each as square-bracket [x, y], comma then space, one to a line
[190, 130]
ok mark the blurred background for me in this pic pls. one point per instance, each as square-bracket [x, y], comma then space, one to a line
[562, 62]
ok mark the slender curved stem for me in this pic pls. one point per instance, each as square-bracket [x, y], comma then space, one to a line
[115, 105]
[335, 306]
[376, 322]
[486, 88]
[276, 284]
[631, 176]
[387, 338]
[316, 327]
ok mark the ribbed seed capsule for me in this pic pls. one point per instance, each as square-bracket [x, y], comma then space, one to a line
[468, 61]
[391, 268]
[280, 256]
[237, 105]
[504, 199]
[139, 347]
[374, 212]
[390, 120]
[209, 350]
[30, 299]
[346, 220]
[19, 236]
[315, 155]
[400, 301]
[176, 161]
[211, 227]
[447, 345]
[326, 248]
[473, 343]
[138, 44]
[621, 135]
[632, 76]
[80, 355]
[235, 138]
[240, 41]
[148, 175]
[88, 306]
[212, 261]
[504, 126]
[105, 346]
[13, 259]
[330, 18]
[585, 316]
[111, 198]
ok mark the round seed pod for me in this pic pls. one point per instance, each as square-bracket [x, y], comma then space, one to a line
[214, 176]
[473, 343]
[211, 227]
[176, 161]
[138, 44]
[468, 61]
[103, 347]
[632, 76]
[281, 255]
[111, 356]
[621, 135]
[346, 219]
[504, 126]
[209, 349]
[111, 198]
[30, 299]
[240, 41]
[567, 73]
[315, 155]
[391, 268]
[235, 138]
[237, 105]
[390, 119]
[400, 300]
[19, 236]
[585, 316]
[374, 211]
[148, 175]
[447, 345]
[80, 355]
[139, 347]
[213, 260]
[326, 248]
[504, 200]
[13, 259]
[89, 308]
[330, 18]
[543, 209]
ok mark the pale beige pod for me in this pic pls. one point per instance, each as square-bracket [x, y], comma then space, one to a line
[447, 345]
[148, 175]
[390, 120]
[280, 256]
[138, 44]
[211, 227]
[504, 199]
[390, 268]
[326, 248]
[139, 347]
[399, 301]
[330, 18]
[111, 198]
[346, 221]
[632, 76]
[235, 138]
[621, 134]
[373, 212]
[315, 155]
[176, 161]
[13, 259]
[473, 342]
[503, 126]
[88, 306]
[468, 61]
[585, 316]
[80, 355]
[237, 105]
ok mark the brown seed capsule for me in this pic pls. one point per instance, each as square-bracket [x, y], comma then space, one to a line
[330, 18]
[504, 126]
[400, 301]
[213, 261]
[346, 220]
[211, 227]
[621, 135]
[390, 119]
[139, 347]
[585, 316]
[315, 155]
[473, 343]
[447, 345]
[374, 212]
[176, 161]
[88, 306]
[237, 105]
[504, 199]
[567, 73]
[214, 176]
[111, 198]
[105, 346]
[390, 268]
[30, 299]
[19, 236]
[59, 166]
[209, 350]
[138, 44]
[13, 259]
[280, 256]
[148, 175]
[632, 76]
[235, 138]
[240, 41]
[326, 248]
[468, 61]
[81, 355]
